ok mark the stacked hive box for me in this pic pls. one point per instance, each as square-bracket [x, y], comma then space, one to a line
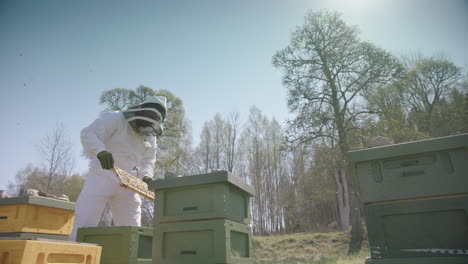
[34, 229]
[120, 244]
[416, 200]
[202, 219]
[28, 251]
[36, 217]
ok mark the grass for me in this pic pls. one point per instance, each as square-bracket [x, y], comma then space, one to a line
[304, 248]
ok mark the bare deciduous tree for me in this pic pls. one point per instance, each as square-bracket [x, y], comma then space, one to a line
[425, 86]
[57, 159]
[232, 130]
[204, 150]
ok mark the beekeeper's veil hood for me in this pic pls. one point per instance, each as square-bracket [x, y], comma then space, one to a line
[147, 118]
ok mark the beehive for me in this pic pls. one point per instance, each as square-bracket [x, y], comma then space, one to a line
[205, 196]
[120, 244]
[425, 168]
[420, 228]
[47, 252]
[208, 242]
[35, 214]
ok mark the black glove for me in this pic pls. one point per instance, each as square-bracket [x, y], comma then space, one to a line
[106, 159]
[147, 179]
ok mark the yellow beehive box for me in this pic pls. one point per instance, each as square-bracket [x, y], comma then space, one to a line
[36, 215]
[48, 252]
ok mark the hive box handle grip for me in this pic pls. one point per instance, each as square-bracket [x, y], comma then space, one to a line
[412, 173]
[191, 208]
[409, 163]
[188, 252]
[3, 217]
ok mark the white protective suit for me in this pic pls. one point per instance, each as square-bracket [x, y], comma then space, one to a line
[112, 132]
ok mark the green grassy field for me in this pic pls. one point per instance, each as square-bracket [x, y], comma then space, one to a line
[302, 248]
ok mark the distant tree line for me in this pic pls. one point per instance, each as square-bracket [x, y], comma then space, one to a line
[54, 174]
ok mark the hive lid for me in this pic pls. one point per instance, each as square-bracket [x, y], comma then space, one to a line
[47, 240]
[38, 200]
[208, 178]
[115, 229]
[409, 148]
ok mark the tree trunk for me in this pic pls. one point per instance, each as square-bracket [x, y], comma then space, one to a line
[343, 198]
[356, 220]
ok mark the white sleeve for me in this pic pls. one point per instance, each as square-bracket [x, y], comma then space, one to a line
[148, 160]
[94, 136]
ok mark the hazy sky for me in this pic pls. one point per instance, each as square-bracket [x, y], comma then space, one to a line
[57, 56]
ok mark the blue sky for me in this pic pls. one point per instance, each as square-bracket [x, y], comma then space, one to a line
[57, 56]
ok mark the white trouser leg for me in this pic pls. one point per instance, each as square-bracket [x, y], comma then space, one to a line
[91, 202]
[126, 208]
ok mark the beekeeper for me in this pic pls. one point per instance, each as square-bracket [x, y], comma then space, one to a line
[124, 139]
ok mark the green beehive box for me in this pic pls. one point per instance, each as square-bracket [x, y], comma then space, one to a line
[423, 168]
[420, 228]
[209, 242]
[120, 244]
[34, 236]
[205, 196]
